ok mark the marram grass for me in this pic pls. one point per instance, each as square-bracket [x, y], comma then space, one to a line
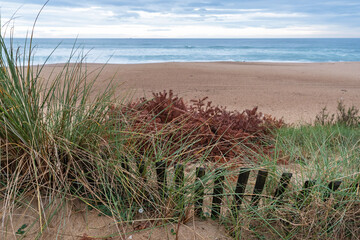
[58, 145]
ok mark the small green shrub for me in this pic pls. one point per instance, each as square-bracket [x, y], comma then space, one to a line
[345, 116]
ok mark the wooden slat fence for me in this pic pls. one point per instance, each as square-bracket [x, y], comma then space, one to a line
[239, 191]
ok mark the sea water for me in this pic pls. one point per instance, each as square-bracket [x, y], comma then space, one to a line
[112, 50]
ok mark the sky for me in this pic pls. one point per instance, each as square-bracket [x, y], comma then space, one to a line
[183, 18]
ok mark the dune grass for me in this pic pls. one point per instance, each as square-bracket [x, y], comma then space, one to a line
[322, 153]
[60, 144]
[61, 147]
[49, 129]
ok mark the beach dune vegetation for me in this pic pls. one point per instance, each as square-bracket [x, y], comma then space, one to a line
[62, 146]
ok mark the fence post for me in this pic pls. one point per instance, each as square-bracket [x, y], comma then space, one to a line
[179, 185]
[161, 178]
[240, 188]
[332, 187]
[259, 187]
[284, 182]
[217, 195]
[199, 191]
[353, 187]
[304, 193]
[142, 169]
[356, 187]
[125, 166]
[179, 175]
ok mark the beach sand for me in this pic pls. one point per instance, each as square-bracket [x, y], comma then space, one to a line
[294, 91]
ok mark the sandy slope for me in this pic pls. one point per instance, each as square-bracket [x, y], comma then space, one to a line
[295, 91]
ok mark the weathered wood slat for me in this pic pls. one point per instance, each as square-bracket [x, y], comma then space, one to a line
[332, 187]
[241, 186]
[199, 191]
[283, 184]
[304, 193]
[217, 195]
[161, 178]
[259, 187]
[179, 175]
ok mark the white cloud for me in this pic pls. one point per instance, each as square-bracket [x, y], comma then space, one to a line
[186, 31]
[233, 10]
[122, 21]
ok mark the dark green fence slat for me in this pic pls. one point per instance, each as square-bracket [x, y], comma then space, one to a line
[259, 187]
[199, 191]
[284, 182]
[161, 178]
[332, 187]
[304, 193]
[241, 186]
[179, 175]
[217, 195]
[179, 185]
[142, 169]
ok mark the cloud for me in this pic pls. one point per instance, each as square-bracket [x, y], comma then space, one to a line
[190, 18]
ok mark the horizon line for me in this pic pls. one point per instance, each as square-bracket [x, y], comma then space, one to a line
[183, 38]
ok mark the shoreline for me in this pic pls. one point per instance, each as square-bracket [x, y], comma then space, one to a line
[208, 61]
[294, 91]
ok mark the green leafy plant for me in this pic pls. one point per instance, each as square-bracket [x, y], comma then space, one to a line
[348, 116]
[21, 229]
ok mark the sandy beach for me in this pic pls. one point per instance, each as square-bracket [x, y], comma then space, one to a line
[294, 91]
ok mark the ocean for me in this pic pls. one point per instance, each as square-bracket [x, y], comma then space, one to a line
[195, 50]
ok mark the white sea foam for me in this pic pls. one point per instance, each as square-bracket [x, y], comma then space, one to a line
[198, 50]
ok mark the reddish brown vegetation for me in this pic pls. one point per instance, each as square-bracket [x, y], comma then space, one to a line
[225, 134]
